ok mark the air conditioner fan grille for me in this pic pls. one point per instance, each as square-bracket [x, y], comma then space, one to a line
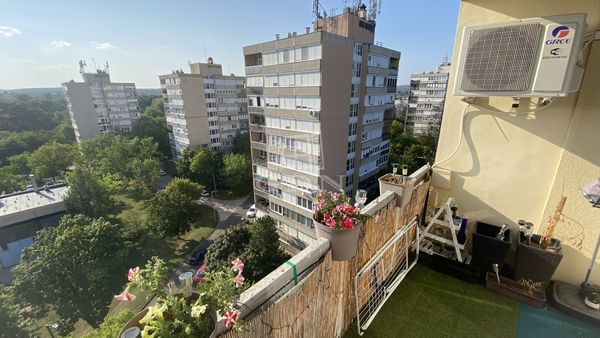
[501, 59]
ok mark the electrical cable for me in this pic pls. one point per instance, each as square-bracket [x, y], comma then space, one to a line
[462, 122]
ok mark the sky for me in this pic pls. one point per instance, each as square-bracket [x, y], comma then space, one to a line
[42, 41]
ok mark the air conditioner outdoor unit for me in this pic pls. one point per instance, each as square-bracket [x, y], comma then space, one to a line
[535, 57]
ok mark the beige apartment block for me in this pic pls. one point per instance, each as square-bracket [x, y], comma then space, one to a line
[320, 107]
[204, 108]
[98, 105]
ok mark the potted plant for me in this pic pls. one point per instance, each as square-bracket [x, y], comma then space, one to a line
[401, 185]
[536, 262]
[195, 314]
[340, 222]
[491, 244]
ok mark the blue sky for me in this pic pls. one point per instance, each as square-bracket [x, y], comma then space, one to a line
[41, 41]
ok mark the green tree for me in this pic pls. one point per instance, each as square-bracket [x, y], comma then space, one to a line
[51, 159]
[263, 253]
[154, 128]
[205, 165]
[72, 268]
[64, 133]
[14, 143]
[237, 172]
[241, 144]
[172, 212]
[132, 162]
[185, 162]
[257, 245]
[12, 323]
[8, 181]
[19, 164]
[87, 194]
[227, 247]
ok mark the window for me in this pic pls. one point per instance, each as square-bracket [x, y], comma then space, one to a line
[269, 59]
[285, 56]
[356, 68]
[308, 79]
[305, 53]
[353, 110]
[351, 147]
[271, 81]
[358, 49]
[352, 129]
[286, 80]
[350, 164]
[254, 81]
[354, 90]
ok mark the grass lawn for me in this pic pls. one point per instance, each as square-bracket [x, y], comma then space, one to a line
[144, 245]
[430, 304]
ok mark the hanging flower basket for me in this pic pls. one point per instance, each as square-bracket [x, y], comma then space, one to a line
[340, 222]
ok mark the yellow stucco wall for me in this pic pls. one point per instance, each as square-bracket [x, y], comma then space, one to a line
[512, 167]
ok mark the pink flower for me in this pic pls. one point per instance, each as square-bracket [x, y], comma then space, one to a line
[331, 223]
[131, 274]
[238, 265]
[230, 318]
[125, 296]
[327, 217]
[335, 195]
[348, 223]
[341, 208]
[239, 280]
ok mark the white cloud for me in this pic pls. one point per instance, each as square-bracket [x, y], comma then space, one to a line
[105, 45]
[61, 44]
[6, 31]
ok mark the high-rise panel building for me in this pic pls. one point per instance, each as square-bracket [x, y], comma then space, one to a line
[98, 105]
[204, 107]
[320, 107]
[426, 100]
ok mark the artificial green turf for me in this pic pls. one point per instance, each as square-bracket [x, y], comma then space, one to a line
[430, 304]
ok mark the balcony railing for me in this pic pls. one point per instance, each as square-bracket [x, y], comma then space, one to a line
[256, 110]
[258, 145]
[277, 304]
[257, 127]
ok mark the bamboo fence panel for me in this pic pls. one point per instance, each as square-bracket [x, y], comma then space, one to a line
[323, 303]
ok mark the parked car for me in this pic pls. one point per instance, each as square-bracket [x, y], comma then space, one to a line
[251, 213]
[196, 258]
[162, 173]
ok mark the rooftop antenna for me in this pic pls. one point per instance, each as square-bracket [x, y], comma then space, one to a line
[445, 59]
[82, 65]
[374, 9]
[95, 66]
[205, 59]
[106, 68]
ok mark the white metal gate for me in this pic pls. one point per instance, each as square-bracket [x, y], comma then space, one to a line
[377, 280]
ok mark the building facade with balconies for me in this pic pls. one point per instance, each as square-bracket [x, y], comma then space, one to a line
[204, 108]
[426, 100]
[320, 107]
[98, 105]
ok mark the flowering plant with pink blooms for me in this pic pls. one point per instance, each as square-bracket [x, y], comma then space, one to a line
[175, 316]
[335, 211]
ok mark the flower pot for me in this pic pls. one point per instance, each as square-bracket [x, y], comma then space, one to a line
[487, 249]
[514, 290]
[395, 183]
[135, 320]
[343, 243]
[534, 263]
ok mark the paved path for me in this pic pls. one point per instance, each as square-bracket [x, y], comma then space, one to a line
[230, 213]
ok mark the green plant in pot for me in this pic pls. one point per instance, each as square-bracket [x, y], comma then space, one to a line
[339, 221]
[190, 314]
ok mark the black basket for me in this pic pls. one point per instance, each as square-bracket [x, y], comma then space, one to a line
[535, 263]
[487, 249]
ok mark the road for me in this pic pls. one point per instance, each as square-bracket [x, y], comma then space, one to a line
[230, 213]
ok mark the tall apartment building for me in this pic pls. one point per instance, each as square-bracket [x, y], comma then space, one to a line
[320, 107]
[98, 105]
[204, 107]
[426, 100]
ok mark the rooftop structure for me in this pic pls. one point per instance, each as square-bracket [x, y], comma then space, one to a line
[26, 205]
[98, 105]
[204, 108]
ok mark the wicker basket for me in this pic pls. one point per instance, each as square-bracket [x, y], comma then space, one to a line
[487, 249]
[534, 263]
